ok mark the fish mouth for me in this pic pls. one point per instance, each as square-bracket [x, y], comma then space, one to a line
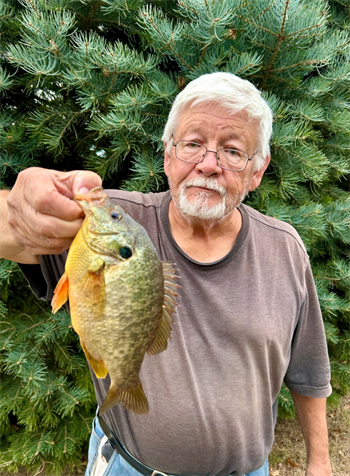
[96, 193]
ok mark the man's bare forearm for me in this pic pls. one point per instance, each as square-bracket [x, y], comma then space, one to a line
[312, 418]
[9, 249]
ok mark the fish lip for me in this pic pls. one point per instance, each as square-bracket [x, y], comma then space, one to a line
[105, 233]
[87, 196]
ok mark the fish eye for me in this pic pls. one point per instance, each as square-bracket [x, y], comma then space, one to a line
[115, 215]
[125, 252]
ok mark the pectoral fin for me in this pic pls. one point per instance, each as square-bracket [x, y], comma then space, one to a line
[94, 288]
[132, 398]
[97, 366]
[60, 293]
[96, 266]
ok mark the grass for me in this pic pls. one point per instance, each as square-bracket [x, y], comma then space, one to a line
[288, 453]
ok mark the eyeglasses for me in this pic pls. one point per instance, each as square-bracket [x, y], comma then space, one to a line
[229, 158]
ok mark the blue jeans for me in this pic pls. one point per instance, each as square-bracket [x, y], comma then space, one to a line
[117, 466]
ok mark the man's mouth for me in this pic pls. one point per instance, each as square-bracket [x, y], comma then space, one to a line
[206, 186]
[205, 189]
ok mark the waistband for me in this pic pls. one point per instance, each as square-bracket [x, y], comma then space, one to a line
[124, 453]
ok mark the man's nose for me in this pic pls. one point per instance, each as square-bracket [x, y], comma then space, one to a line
[209, 165]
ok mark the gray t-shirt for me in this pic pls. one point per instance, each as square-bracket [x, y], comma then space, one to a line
[244, 325]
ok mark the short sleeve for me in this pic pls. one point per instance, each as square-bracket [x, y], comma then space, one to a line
[308, 372]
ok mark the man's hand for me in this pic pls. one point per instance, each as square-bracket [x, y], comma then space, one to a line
[42, 217]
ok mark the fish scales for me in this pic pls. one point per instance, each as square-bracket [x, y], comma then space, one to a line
[121, 297]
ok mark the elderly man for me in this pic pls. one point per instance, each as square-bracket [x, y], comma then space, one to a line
[249, 317]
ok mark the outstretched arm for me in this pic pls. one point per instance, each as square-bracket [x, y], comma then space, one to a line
[312, 418]
[38, 216]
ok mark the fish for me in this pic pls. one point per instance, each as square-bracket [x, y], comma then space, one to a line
[121, 297]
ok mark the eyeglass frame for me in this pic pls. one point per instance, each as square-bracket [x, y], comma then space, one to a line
[214, 152]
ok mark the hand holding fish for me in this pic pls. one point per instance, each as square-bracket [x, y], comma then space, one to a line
[42, 214]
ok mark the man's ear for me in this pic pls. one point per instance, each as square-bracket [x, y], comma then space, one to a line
[258, 175]
[166, 160]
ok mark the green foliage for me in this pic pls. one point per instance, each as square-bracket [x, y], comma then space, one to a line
[46, 395]
[89, 84]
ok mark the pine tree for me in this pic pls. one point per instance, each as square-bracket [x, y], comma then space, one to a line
[89, 84]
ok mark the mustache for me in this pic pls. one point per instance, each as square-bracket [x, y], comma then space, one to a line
[209, 183]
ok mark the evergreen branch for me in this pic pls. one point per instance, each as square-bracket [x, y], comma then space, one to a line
[196, 40]
[301, 63]
[32, 4]
[250, 20]
[307, 28]
[149, 20]
[123, 7]
[87, 422]
[280, 39]
[187, 8]
[106, 166]
[76, 402]
[3, 12]
[27, 23]
[114, 77]
[92, 12]
[74, 115]
[252, 17]
[261, 45]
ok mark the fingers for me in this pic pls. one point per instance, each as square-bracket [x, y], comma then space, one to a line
[42, 214]
[51, 192]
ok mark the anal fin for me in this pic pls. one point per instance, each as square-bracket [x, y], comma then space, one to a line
[132, 398]
[97, 366]
[60, 293]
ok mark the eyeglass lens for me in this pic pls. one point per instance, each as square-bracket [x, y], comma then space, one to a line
[193, 152]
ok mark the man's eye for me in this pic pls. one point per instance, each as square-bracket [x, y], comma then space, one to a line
[192, 145]
[233, 152]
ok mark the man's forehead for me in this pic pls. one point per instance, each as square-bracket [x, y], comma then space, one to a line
[202, 126]
[203, 113]
[233, 127]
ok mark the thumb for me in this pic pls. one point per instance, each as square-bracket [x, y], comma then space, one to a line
[84, 181]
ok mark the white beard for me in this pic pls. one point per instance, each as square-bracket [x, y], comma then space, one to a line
[200, 208]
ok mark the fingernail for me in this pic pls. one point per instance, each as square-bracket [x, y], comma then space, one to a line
[82, 190]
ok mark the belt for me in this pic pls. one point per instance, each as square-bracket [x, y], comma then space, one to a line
[117, 446]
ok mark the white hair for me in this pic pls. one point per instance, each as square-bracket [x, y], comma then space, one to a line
[233, 94]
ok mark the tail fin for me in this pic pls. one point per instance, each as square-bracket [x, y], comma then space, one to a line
[132, 398]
